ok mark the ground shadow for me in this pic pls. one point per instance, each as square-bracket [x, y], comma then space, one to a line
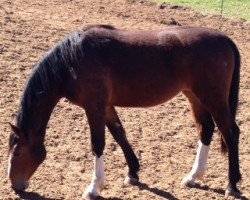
[161, 193]
[108, 198]
[34, 196]
[140, 185]
[215, 190]
[206, 188]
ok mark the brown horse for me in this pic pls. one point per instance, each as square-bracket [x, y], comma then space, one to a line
[100, 67]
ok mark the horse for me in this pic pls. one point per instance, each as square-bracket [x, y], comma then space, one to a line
[100, 67]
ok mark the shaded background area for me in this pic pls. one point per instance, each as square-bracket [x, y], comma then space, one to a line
[163, 137]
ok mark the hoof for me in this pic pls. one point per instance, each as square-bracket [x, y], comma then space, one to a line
[89, 196]
[229, 192]
[187, 182]
[131, 181]
[93, 191]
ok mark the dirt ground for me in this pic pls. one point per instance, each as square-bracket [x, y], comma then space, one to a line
[163, 137]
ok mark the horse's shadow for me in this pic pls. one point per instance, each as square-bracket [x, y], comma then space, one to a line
[156, 191]
[140, 185]
[144, 186]
[34, 196]
[215, 190]
[108, 198]
[206, 188]
[169, 196]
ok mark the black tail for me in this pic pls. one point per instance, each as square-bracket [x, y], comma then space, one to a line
[234, 90]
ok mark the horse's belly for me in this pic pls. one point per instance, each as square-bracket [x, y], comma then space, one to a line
[146, 96]
[145, 84]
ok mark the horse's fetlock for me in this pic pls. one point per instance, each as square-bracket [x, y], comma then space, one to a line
[188, 181]
[131, 180]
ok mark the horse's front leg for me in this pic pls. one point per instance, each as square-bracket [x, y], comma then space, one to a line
[115, 127]
[96, 118]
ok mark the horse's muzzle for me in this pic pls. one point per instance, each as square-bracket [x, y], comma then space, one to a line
[20, 186]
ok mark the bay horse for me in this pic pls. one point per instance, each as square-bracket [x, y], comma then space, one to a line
[100, 67]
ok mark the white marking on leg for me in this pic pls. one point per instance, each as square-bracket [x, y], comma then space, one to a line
[98, 178]
[199, 165]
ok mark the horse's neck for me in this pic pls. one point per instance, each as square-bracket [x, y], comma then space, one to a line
[34, 122]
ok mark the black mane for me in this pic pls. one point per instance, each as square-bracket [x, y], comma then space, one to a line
[57, 65]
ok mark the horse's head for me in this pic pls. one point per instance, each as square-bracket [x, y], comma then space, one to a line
[24, 158]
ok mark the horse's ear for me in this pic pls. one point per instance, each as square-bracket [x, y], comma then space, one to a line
[15, 130]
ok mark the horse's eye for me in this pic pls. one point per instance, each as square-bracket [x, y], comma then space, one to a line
[16, 154]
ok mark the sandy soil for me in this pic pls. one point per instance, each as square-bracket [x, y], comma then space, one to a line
[163, 137]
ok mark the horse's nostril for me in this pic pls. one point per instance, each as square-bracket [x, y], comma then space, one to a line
[20, 186]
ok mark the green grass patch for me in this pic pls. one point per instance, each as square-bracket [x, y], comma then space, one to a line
[231, 8]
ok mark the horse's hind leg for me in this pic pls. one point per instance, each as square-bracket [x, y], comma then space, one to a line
[205, 127]
[230, 135]
[115, 127]
[96, 119]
